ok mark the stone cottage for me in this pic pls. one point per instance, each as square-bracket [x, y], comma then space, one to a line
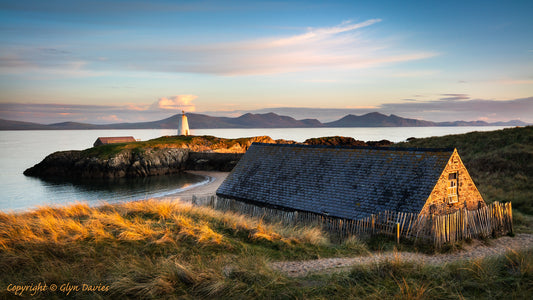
[113, 140]
[352, 182]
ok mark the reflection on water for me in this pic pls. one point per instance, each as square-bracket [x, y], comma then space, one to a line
[93, 191]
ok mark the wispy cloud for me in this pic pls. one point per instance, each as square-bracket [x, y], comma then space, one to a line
[341, 47]
[47, 113]
[46, 63]
[314, 35]
[337, 47]
[454, 97]
[466, 109]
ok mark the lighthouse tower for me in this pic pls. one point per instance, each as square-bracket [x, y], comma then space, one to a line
[183, 125]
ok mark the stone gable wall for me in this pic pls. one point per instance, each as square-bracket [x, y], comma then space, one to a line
[468, 194]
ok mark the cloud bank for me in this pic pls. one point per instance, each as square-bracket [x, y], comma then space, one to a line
[47, 113]
[437, 110]
[178, 102]
[432, 110]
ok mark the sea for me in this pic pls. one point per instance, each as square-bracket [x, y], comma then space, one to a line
[20, 150]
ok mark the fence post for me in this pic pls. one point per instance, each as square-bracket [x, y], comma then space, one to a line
[398, 233]
[510, 211]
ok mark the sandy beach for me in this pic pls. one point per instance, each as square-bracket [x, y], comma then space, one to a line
[215, 179]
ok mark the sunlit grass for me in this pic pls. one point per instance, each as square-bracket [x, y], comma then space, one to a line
[194, 143]
[153, 250]
[145, 248]
[151, 221]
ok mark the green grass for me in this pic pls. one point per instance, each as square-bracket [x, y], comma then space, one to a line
[195, 143]
[507, 277]
[500, 162]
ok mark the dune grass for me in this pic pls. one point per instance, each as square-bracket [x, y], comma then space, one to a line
[148, 248]
[160, 250]
[506, 277]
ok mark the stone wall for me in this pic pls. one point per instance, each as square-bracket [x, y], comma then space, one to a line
[467, 194]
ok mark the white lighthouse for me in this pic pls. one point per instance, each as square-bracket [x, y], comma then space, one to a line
[183, 125]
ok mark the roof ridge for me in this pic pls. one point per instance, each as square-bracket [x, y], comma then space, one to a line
[359, 147]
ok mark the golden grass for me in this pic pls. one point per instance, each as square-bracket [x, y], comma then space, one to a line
[143, 249]
[411, 289]
[151, 250]
[150, 221]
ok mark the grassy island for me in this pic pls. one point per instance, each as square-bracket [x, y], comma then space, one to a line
[194, 143]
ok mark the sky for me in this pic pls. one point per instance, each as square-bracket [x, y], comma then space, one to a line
[132, 61]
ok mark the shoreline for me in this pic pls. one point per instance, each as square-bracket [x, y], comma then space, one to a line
[206, 188]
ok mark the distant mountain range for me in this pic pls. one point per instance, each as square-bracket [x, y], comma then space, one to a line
[268, 120]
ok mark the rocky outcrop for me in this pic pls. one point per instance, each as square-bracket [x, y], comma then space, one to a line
[126, 163]
[202, 161]
[221, 145]
[165, 155]
[345, 141]
[335, 141]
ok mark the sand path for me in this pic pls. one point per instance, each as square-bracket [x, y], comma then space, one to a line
[475, 250]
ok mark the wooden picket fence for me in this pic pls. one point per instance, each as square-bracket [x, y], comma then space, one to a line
[492, 220]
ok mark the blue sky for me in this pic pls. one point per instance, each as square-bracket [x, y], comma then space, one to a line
[130, 61]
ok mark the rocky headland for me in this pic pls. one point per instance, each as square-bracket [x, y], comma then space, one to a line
[161, 156]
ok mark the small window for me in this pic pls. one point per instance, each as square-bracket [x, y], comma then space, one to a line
[452, 188]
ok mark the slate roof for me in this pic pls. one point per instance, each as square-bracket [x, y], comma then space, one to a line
[344, 182]
[113, 140]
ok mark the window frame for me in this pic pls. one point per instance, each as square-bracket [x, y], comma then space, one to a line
[452, 187]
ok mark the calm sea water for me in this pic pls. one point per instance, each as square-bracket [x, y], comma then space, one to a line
[20, 150]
